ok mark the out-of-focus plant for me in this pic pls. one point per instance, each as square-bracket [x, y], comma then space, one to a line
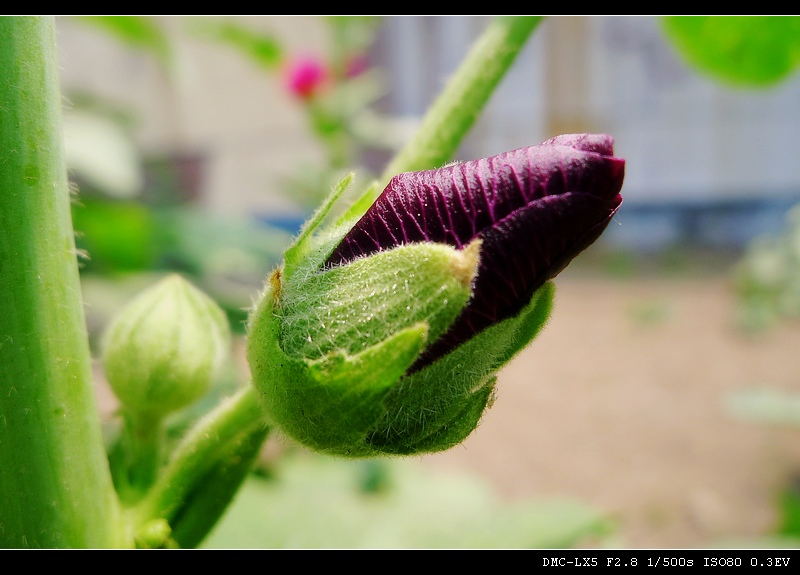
[337, 92]
[746, 51]
[134, 214]
[138, 31]
[126, 227]
[311, 501]
[757, 52]
[768, 277]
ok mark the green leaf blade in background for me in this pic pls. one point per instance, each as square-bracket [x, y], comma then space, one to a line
[318, 502]
[262, 48]
[138, 31]
[745, 51]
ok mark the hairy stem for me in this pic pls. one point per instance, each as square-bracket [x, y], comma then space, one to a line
[190, 479]
[55, 485]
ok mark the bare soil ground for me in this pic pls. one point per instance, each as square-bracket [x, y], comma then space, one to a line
[620, 403]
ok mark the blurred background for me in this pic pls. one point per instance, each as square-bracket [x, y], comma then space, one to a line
[659, 407]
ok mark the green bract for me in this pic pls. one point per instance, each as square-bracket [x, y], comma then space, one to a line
[332, 350]
[163, 349]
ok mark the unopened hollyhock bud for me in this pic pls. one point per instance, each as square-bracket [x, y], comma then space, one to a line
[386, 337]
[164, 348]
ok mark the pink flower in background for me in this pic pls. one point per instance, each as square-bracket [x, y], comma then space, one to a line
[305, 76]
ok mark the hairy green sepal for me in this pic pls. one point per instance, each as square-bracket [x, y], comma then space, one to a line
[326, 347]
[437, 407]
[330, 351]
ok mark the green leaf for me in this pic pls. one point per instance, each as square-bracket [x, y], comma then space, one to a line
[137, 31]
[262, 48]
[742, 50]
[316, 502]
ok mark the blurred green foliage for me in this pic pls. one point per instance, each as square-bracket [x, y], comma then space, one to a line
[767, 278]
[262, 48]
[740, 50]
[311, 501]
[140, 32]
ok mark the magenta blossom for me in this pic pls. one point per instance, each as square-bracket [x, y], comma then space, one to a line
[305, 77]
[534, 209]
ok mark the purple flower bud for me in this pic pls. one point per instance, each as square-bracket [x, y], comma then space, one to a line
[534, 209]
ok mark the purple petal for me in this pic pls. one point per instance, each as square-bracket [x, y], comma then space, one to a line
[534, 209]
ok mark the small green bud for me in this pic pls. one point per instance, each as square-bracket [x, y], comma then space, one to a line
[164, 348]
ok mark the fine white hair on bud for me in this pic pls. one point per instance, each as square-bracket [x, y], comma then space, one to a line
[383, 333]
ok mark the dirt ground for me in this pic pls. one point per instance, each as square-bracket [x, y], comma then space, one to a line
[620, 403]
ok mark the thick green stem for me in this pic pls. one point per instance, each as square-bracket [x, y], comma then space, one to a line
[55, 485]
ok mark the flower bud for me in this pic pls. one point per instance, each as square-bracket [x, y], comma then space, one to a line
[164, 348]
[386, 338]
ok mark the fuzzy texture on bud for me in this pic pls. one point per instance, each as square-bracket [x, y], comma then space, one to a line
[384, 334]
[164, 348]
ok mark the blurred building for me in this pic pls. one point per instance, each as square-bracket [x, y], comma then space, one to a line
[706, 163]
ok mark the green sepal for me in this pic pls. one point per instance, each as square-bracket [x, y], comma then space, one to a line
[330, 403]
[355, 306]
[438, 406]
[341, 389]
[312, 247]
[325, 351]
[347, 398]
[308, 249]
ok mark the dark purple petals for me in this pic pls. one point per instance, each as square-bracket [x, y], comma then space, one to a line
[533, 208]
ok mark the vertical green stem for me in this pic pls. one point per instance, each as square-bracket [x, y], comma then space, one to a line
[143, 439]
[55, 485]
